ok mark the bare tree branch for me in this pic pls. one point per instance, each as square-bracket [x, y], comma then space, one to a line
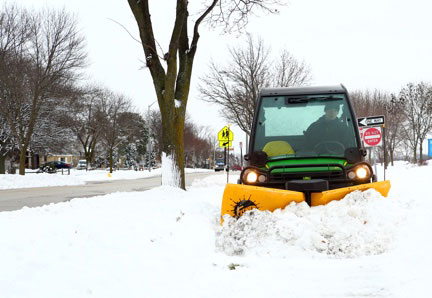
[39, 62]
[236, 86]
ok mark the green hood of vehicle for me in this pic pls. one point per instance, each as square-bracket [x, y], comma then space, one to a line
[306, 161]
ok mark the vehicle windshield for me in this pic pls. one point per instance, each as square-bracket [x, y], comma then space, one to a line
[304, 126]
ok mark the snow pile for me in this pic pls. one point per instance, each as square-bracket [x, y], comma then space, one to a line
[38, 180]
[167, 242]
[364, 223]
[118, 245]
[170, 171]
[76, 177]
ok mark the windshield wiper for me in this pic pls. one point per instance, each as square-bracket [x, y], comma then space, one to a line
[322, 98]
[302, 99]
[306, 99]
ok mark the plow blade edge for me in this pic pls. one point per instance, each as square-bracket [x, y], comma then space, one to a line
[322, 198]
[239, 198]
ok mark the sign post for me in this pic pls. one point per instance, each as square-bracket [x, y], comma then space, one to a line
[225, 138]
[241, 155]
[372, 133]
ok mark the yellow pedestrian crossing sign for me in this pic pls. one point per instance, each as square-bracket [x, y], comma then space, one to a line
[225, 137]
[225, 134]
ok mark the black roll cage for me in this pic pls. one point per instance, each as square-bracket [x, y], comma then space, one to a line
[305, 91]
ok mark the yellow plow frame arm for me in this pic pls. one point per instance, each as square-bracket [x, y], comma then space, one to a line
[239, 198]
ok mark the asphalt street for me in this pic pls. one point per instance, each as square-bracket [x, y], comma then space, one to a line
[15, 199]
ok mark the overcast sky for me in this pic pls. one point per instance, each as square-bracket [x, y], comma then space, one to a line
[369, 44]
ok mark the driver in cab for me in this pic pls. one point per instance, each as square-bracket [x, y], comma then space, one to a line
[325, 133]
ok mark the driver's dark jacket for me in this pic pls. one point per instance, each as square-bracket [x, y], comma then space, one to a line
[324, 131]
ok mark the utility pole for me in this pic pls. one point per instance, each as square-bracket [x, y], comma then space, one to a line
[241, 155]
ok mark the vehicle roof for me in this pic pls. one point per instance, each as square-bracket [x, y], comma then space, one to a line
[304, 90]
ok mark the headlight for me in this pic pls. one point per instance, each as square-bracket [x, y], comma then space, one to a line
[359, 172]
[251, 177]
[351, 175]
[261, 178]
[362, 172]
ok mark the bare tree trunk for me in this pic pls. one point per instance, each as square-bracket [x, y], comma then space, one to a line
[87, 156]
[173, 145]
[92, 152]
[180, 149]
[421, 153]
[89, 148]
[171, 71]
[111, 160]
[2, 164]
[23, 154]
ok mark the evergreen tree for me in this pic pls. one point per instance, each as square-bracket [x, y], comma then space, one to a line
[131, 154]
[150, 159]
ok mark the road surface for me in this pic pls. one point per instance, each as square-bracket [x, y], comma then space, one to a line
[14, 199]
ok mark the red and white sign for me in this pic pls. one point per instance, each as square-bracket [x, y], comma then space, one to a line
[371, 136]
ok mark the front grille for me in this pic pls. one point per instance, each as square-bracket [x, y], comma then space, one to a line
[282, 177]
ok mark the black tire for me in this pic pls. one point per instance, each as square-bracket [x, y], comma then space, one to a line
[48, 169]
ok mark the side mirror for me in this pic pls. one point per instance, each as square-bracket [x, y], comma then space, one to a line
[258, 159]
[354, 154]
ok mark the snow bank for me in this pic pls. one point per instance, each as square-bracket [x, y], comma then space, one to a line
[166, 242]
[364, 223]
[119, 245]
[8, 181]
[76, 177]
[170, 171]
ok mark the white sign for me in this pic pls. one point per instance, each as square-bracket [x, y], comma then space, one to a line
[371, 136]
[370, 121]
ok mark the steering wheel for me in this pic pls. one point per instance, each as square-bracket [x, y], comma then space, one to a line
[332, 147]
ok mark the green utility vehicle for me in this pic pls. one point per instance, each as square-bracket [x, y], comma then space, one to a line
[304, 146]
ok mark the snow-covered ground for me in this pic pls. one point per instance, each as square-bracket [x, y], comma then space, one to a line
[166, 242]
[76, 177]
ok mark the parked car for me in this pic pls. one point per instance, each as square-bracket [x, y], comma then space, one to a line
[236, 168]
[219, 166]
[82, 164]
[52, 166]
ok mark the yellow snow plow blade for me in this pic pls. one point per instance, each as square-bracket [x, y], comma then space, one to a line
[322, 198]
[239, 198]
